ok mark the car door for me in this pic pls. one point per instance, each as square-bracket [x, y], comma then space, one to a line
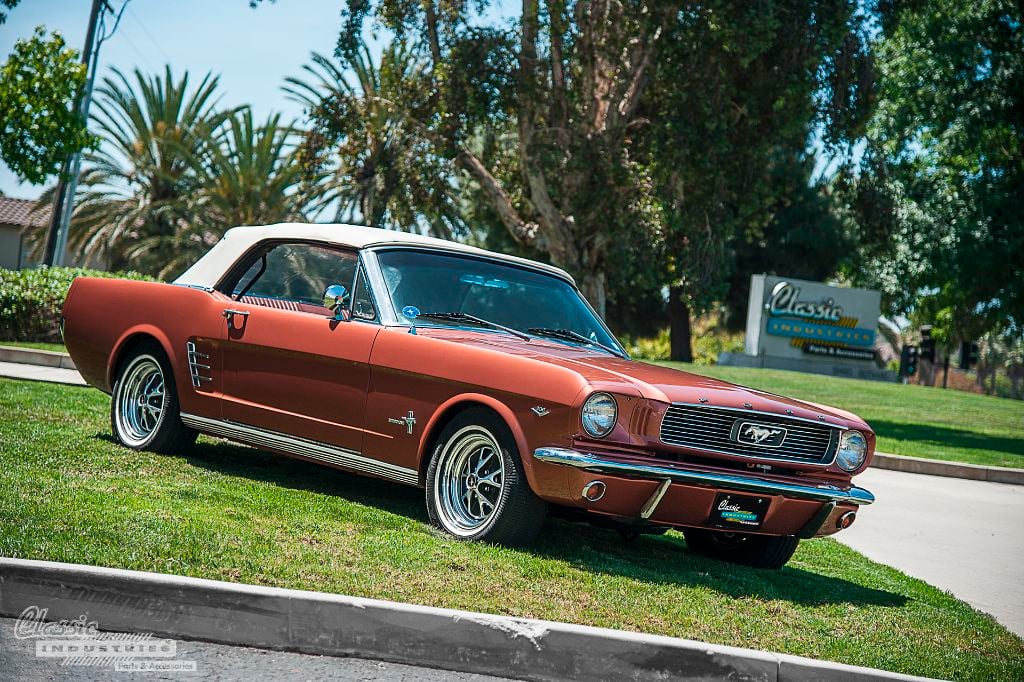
[290, 367]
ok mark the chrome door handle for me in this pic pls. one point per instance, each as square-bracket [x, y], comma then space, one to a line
[229, 314]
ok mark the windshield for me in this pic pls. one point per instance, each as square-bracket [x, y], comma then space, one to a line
[503, 294]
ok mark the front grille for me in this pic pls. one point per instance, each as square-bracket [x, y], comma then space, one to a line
[711, 429]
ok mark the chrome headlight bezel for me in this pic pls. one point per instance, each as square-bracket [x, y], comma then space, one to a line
[852, 450]
[599, 414]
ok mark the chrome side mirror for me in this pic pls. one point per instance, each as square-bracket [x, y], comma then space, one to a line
[336, 300]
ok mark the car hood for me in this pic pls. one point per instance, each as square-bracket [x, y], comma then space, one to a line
[653, 382]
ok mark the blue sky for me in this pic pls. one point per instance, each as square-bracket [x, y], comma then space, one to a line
[252, 49]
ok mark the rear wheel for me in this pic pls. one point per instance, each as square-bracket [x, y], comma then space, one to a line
[144, 412]
[476, 487]
[759, 551]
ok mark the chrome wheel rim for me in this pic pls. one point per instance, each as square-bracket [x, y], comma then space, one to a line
[469, 481]
[140, 400]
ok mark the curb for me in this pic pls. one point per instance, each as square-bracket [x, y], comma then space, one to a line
[336, 625]
[936, 467]
[31, 356]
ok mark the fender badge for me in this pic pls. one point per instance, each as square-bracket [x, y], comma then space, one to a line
[540, 411]
[407, 421]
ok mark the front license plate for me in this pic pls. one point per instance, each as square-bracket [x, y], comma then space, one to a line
[738, 511]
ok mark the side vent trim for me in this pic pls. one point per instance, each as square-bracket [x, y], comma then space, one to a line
[195, 365]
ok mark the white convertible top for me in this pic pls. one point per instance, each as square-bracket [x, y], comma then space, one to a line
[208, 270]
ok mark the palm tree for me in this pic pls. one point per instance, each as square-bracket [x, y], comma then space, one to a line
[244, 174]
[137, 187]
[385, 171]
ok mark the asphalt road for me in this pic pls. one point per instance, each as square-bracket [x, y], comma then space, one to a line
[966, 537]
[18, 661]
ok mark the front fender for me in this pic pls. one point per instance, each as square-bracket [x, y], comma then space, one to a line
[527, 428]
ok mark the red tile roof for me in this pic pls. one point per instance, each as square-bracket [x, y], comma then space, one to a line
[18, 212]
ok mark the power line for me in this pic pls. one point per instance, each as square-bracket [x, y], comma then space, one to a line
[139, 52]
[138, 21]
[117, 22]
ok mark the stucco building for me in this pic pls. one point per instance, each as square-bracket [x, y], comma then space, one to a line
[16, 216]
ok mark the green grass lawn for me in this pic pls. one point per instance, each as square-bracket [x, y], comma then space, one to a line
[37, 345]
[67, 493]
[918, 421]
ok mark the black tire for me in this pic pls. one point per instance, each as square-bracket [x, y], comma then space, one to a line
[515, 515]
[759, 551]
[163, 432]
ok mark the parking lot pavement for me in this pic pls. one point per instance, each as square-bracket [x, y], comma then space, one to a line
[966, 537]
[18, 661]
[17, 370]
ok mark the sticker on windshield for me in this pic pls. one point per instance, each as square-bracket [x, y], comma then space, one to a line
[492, 282]
[411, 311]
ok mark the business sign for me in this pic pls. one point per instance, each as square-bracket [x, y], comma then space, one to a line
[798, 322]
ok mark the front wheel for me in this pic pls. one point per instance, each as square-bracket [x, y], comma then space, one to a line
[759, 551]
[144, 412]
[476, 487]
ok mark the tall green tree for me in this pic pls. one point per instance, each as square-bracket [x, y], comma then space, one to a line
[947, 171]
[39, 123]
[381, 169]
[174, 172]
[244, 173]
[808, 235]
[565, 84]
[136, 187]
[738, 91]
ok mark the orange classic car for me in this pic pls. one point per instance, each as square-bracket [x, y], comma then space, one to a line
[485, 379]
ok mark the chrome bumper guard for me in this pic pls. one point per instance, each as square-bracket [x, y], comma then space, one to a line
[822, 492]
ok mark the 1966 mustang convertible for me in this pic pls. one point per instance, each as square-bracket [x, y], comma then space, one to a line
[486, 379]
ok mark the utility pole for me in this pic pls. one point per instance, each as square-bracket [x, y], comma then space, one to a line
[63, 203]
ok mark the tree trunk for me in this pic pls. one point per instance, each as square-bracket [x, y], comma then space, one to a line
[679, 326]
[592, 284]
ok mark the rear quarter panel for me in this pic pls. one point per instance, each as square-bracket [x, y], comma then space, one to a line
[102, 315]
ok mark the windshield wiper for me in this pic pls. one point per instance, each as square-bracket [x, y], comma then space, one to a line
[463, 317]
[570, 335]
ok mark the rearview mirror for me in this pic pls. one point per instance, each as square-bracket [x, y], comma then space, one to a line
[336, 300]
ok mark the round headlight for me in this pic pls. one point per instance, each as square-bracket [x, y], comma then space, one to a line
[853, 448]
[599, 415]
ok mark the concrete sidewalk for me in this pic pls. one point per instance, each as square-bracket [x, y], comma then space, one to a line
[57, 375]
[962, 536]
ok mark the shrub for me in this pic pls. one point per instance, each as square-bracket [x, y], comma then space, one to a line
[656, 348]
[31, 300]
[709, 340]
[708, 346]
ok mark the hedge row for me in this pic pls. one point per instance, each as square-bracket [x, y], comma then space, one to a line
[31, 300]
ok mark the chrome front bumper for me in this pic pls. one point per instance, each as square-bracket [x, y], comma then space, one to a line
[820, 492]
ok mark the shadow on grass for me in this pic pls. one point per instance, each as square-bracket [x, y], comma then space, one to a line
[956, 438]
[655, 560]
